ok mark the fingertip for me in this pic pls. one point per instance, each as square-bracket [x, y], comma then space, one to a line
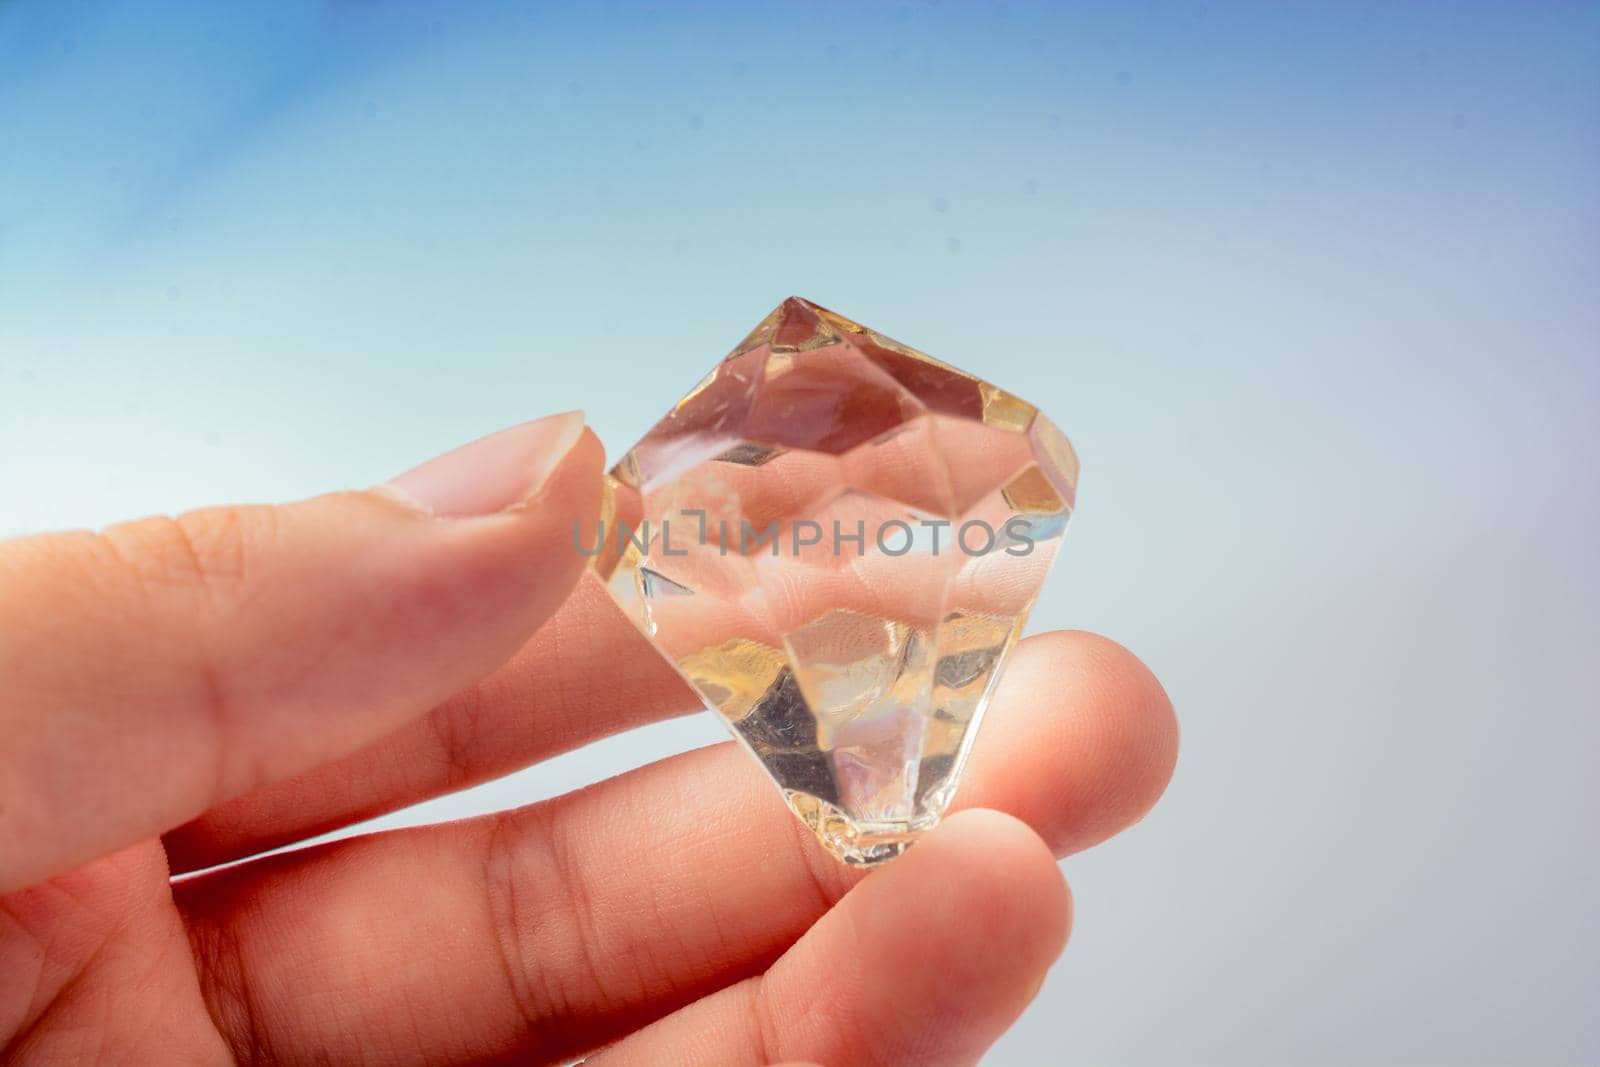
[507, 571]
[574, 483]
[950, 943]
[496, 472]
[1002, 879]
[1138, 731]
[1081, 742]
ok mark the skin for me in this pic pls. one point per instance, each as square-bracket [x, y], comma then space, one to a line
[180, 693]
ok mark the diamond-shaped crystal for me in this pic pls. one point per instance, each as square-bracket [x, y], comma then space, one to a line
[836, 539]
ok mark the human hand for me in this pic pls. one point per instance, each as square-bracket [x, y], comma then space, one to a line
[176, 694]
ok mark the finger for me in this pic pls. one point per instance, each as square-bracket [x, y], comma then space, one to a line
[152, 670]
[1082, 744]
[585, 674]
[927, 963]
[551, 930]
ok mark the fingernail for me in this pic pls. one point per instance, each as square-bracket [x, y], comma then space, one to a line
[492, 473]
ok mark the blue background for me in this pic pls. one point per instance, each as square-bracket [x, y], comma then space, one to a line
[1312, 287]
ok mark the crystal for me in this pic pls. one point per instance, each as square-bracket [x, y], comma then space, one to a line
[836, 540]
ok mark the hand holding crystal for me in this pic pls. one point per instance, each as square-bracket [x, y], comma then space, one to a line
[177, 694]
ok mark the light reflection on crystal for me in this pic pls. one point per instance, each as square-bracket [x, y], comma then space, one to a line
[854, 670]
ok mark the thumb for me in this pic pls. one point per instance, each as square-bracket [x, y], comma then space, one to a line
[152, 670]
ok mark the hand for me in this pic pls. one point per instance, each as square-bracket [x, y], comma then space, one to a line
[175, 694]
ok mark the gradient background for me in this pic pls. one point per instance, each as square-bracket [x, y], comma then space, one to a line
[1315, 289]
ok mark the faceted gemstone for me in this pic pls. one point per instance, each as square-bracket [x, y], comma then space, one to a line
[836, 539]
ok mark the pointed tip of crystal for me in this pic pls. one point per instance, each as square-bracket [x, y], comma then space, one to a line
[796, 325]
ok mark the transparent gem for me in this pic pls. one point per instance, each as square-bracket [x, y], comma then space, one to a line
[836, 539]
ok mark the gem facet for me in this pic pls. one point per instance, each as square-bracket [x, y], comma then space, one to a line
[836, 539]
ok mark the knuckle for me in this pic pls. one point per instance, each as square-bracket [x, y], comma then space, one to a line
[552, 957]
[506, 905]
[188, 575]
[217, 542]
[223, 971]
[203, 551]
[456, 730]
